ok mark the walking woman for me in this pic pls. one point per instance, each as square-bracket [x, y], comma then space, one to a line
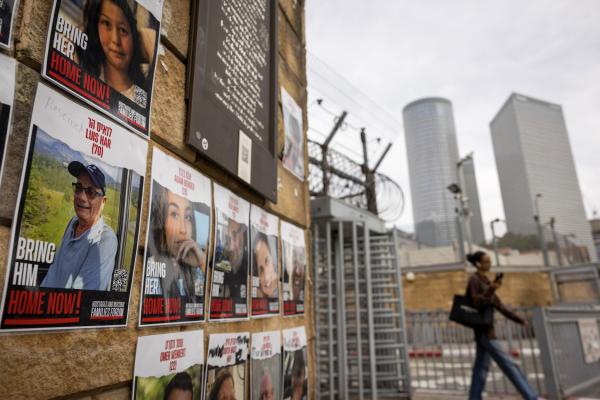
[482, 293]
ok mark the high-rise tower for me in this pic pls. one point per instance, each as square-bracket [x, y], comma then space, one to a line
[536, 170]
[432, 156]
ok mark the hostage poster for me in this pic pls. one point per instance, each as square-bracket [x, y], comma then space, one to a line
[265, 366]
[227, 366]
[169, 366]
[104, 52]
[294, 268]
[229, 281]
[7, 96]
[295, 364]
[293, 149]
[264, 232]
[176, 244]
[76, 225]
[8, 9]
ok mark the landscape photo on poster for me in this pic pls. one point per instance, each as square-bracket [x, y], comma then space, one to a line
[169, 366]
[293, 149]
[173, 288]
[294, 268]
[8, 10]
[105, 52]
[75, 231]
[7, 96]
[295, 364]
[264, 256]
[229, 267]
[227, 366]
[265, 366]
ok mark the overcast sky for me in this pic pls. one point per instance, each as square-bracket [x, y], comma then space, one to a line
[474, 53]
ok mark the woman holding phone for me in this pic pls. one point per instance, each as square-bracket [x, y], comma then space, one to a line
[482, 293]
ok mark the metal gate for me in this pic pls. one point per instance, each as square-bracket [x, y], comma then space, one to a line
[361, 341]
[570, 354]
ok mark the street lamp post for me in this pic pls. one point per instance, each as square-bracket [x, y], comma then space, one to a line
[494, 241]
[456, 191]
[464, 200]
[538, 223]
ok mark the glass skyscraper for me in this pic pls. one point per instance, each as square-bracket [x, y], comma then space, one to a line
[432, 156]
[533, 156]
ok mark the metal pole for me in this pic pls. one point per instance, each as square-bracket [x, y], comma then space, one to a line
[536, 217]
[325, 150]
[340, 301]
[330, 336]
[464, 201]
[461, 242]
[494, 241]
[369, 176]
[357, 310]
[370, 314]
[556, 244]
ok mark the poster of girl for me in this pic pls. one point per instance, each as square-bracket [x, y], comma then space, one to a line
[104, 52]
[294, 268]
[177, 243]
[264, 243]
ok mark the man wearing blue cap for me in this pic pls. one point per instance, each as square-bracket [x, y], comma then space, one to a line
[86, 257]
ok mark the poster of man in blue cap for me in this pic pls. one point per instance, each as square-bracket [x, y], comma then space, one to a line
[76, 224]
[86, 256]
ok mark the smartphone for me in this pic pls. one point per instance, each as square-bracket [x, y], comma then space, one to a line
[499, 277]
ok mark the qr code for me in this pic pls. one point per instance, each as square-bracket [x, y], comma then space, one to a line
[120, 278]
[245, 154]
[140, 97]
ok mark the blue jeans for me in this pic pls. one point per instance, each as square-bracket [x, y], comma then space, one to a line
[486, 350]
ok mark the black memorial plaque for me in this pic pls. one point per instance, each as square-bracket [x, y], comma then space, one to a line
[232, 94]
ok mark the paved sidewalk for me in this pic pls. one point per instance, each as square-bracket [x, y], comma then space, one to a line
[442, 395]
[421, 394]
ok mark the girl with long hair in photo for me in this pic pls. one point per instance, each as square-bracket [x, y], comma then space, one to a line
[114, 49]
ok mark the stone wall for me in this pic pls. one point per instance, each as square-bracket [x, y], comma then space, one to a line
[435, 290]
[98, 363]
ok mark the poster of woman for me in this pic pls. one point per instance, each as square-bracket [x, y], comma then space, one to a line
[295, 364]
[264, 233]
[7, 97]
[173, 288]
[8, 10]
[169, 367]
[76, 225]
[265, 364]
[229, 281]
[293, 149]
[227, 366]
[104, 52]
[294, 268]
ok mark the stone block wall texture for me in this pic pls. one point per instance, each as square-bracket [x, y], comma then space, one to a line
[435, 290]
[98, 363]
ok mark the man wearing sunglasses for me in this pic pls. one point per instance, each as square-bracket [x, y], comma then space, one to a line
[86, 257]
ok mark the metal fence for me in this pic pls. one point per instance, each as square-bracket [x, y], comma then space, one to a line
[566, 336]
[442, 353]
